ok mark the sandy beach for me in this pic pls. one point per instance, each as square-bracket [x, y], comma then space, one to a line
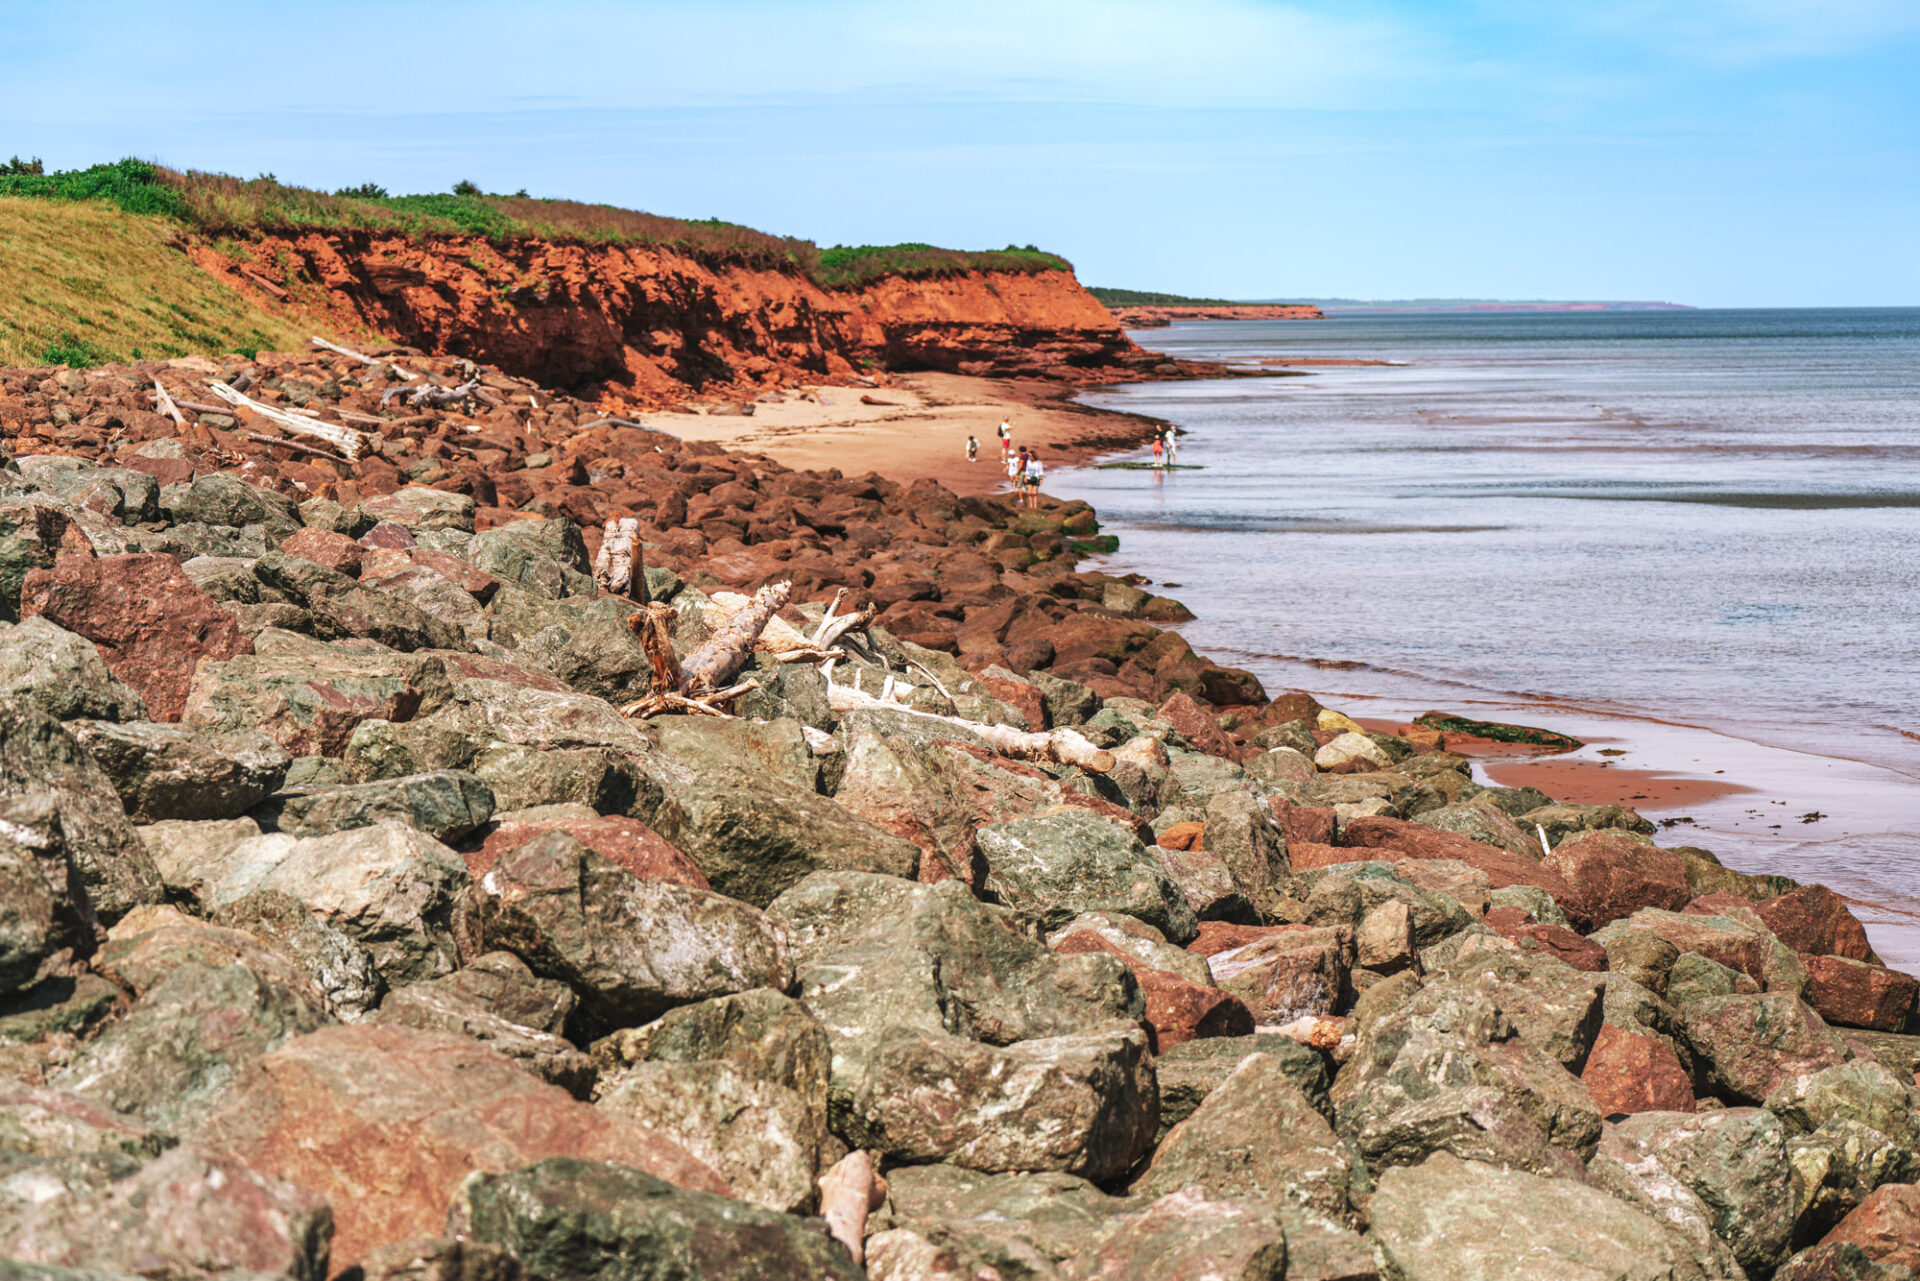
[916, 426]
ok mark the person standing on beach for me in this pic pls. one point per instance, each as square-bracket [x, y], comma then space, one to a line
[1172, 446]
[1036, 472]
[1159, 451]
[1017, 471]
[973, 450]
[1006, 439]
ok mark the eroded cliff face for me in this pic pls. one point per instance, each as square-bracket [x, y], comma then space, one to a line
[655, 325]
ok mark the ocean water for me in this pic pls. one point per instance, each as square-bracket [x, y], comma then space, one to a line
[1702, 520]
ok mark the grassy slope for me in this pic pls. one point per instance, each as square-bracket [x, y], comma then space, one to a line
[91, 277]
[1143, 298]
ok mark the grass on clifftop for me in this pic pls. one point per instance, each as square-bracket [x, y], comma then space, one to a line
[1140, 298]
[218, 204]
[83, 285]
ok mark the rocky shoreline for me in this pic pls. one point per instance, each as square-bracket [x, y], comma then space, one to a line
[351, 927]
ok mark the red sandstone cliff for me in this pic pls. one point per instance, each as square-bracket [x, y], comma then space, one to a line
[653, 324]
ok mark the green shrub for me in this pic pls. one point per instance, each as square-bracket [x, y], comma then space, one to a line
[74, 352]
[365, 191]
[19, 166]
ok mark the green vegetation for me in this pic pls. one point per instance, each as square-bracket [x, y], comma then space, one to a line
[223, 206]
[84, 284]
[17, 165]
[1141, 298]
[847, 265]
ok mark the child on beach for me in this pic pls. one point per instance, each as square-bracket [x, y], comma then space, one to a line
[1159, 451]
[973, 450]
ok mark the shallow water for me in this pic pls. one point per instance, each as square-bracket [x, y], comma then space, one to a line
[1705, 518]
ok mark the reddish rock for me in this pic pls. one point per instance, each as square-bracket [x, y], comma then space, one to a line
[1716, 903]
[324, 547]
[1284, 972]
[1318, 824]
[383, 564]
[1816, 921]
[1393, 838]
[1177, 1010]
[472, 667]
[1013, 690]
[1304, 855]
[1886, 1226]
[626, 841]
[1519, 928]
[385, 1122]
[387, 534]
[1223, 936]
[151, 623]
[1291, 707]
[1197, 725]
[1184, 836]
[1628, 1072]
[165, 471]
[1615, 876]
[1857, 994]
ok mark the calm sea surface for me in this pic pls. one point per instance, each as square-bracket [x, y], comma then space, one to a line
[1703, 517]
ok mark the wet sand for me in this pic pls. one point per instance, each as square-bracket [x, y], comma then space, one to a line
[916, 427]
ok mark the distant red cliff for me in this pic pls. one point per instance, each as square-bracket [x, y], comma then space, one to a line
[1159, 317]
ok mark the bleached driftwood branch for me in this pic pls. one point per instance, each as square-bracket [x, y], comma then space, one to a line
[167, 407]
[725, 653]
[1063, 746]
[341, 437]
[432, 395]
[849, 1192]
[619, 566]
[323, 344]
[695, 685]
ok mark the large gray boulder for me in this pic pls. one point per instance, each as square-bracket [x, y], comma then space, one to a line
[572, 1220]
[223, 500]
[1083, 1105]
[546, 557]
[340, 969]
[1242, 833]
[43, 906]
[1851, 1128]
[389, 888]
[1070, 862]
[445, 804]
[1257, 1136]
[41, 762]
[341, 607]
[62, 674]
[169, 772]
[1454, 1220]
[1749, 1045]
[875, 954]
[1192, 1070]
[443, 1005]
[632, 949]
[1733, 1162]
[1448, 1070]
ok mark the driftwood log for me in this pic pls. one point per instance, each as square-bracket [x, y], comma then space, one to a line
[1062, 746]
[166, 405]
[620, 566]
[697, 686]
[849, 1192]
[432, 395]
[324, 345]
[343, 438]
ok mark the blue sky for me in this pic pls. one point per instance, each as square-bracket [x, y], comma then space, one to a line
[1717, 152]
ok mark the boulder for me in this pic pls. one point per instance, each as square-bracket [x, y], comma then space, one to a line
[340, 969]
[388, 887]
[1190, 1072]
[1556, 941]
[1813, 920]
[446, 804]
[1181, 1000]
[1629, 1072]
[1743, 945]
[341, 607]
[1083, 1104]
[441, 1259]
[1454, 1220]
[190, 1213]
[1616, 876]
[1446, 1070]
[545, 557]
[1396, 839]
[938, 1218]
[226, 500]
[309, 696]
[765, 1034]
[44, 768]
[1839, 1261]
[151, 623]
[419, 509]
[1281, 972]
[1732, 1161]
[1063, 864]
[1886, 1226]
[327, 549]
[1184, 1236]
[181, 1045]
[1480, 819]
[444, 1005]
[43, 907]
[754, 836]
[1852, 1128]
[1859, 994]
[876, 954]
[625, 841]
[501, 984]
[1556, 1008]
[62, 674]
[1241, 831]
[1257, 1136]
[595, 1220]
[165, 772]
[385, 1123]
[1749, 1045]
[631, 948]
[1346, 748]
